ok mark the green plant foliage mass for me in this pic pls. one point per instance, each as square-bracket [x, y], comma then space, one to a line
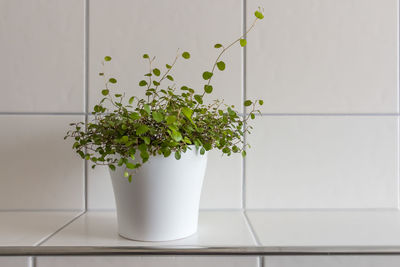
[168, 121]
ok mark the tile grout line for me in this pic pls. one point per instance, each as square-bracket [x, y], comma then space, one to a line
[398, 104]
[250, 227]
[46, 238]
[243, 54]
[86, 90]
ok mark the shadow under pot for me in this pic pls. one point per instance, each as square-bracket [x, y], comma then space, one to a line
[161, 202]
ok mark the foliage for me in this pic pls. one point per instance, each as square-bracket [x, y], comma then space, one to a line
[168, 121]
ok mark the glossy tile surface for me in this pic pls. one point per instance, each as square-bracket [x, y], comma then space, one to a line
[216, 228]
[221, 188]
[323, 162]
[39, 170]
[195, 26]
[332, 261]
[326, 228]
[324, 56]
[204, 261]
[23, 228]
[42, 55]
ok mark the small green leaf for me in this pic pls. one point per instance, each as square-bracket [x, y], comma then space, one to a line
[130, 165]
[199, 99]
[243, 153]
[131, 100]
[112, 80]
[156, 83]
[107, 58]
[142, 83]
[171, 119]
[177, 155]
[202, 151]
[168, 66]
[142, 129]
[124, 139]
[145, 56]
[217, 45]
[252, 116]
[207, 75]
[169, 77]
[259, 15]
[126, 174]
[261, 102]
[146, 140]
[134, 116]
[247, 103]
[156, 72]
[146, 108]
[221, 65]
[243, 42]
[186, 55]
[101, 73]
[130, 178]
[158, 116]
[208, 88]
[105, 92]
[112, 167]
[187, 112]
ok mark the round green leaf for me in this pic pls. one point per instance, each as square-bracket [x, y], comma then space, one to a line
[207, 75]
[243, 42]
[131, 100]
[168, 66]
[221, 65]
[105, 92]
[126, 174]
[156, 72]
[261, 102]
[186, 55]
[142, 83]
[217, 45]
[169, 77]
[178, 155]
[145, 56]
[157, 116]
[208, 88]
[112, 80]
[107, 58]
[247, 103]
[130, 165]
[259, 15]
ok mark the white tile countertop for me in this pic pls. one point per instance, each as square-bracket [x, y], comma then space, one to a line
[220, 233]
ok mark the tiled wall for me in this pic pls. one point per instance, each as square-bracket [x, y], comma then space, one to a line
[326, 69]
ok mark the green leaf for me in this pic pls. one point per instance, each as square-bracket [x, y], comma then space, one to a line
[157, 116]
[259, 15]
[199, 99]
[177, 155]
[146, 140]
[168, 66]
[130, 178]
[208, 89]
[221, 65]
[145, 56]
[112, 80]
[134, 116]
[126, 174]
[217, 45]
[105, 92]
[107, 58]
[131, 100]
[142, 129]
[261, 102]
[202, 151]
[146, 108]
[243, 42]
[243, 153]
[101, 73]
[124, 139]
[207, 75]
[142, 83]
[130, 165]
[171, 119]
[112, 167]
[156, 83]
[247, 103]
[186, 55]
[252, 116]
[169, 77]
[156, 72]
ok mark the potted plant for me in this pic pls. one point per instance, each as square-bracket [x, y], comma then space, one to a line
[156, 147]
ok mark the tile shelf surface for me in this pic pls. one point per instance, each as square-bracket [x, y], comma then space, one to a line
[220, 233]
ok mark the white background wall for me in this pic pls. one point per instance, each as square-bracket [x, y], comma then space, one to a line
[326, 69]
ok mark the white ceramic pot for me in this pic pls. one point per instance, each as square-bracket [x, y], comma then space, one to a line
[162, 201]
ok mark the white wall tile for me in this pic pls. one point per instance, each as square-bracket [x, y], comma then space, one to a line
[324, 56]
[39, 169]
[333, 261]
[222, 185]
[42, 55]
[13, 261]
[178, 261]
[323, 162]
[125, 30]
